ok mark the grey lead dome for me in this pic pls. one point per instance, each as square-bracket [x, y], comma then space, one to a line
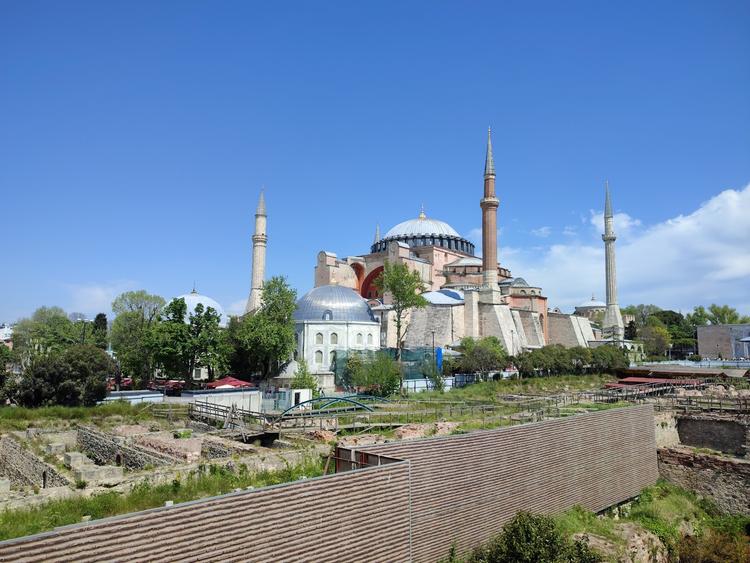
[333, 303]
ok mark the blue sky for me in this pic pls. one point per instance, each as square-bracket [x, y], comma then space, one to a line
[135, 136]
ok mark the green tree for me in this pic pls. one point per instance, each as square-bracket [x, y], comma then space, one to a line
[379, 375]
[208, 344]
[303, 379]
[181, 347]
[405, 287]
[137, 312]
[631, 332]
[580, 358]
[49, 330]
[264, 341]
[640, 312]
[100, 331]
[608, 358]
[482, 356]
[699, 316]
[7, 359]
[656, 337]
[77, 376]
[725, 315]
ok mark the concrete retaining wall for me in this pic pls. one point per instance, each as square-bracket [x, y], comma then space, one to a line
[24, 469]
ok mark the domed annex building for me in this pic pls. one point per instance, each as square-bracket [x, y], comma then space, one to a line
[331, 320]
[468, 295]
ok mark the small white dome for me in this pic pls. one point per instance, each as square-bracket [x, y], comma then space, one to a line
[193, 298]
[593, 303]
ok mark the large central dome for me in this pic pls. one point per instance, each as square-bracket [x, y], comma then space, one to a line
[422, 226]
[423, 231]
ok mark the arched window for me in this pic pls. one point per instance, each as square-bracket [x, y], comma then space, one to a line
[332, 356]
[359, 338]
[334, 338]
[318, 357]
[328, 315]
[319, 338]
[369, 339]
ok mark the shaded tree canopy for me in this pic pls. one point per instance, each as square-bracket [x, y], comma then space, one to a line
[137, 312]
[264, 341]
[77, 376]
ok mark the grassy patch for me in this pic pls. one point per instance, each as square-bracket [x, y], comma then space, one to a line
[668, 512]
[210, 481]
[20, 418]
[492, 391]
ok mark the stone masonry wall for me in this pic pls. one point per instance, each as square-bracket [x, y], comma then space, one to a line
[105, 449]
[724, 433]
[23, 468]
[723, 480]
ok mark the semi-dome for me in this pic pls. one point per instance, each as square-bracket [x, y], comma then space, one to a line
[424, 231]
[193, 298]
[333, 303]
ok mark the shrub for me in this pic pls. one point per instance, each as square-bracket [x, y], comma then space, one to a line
[532, 538]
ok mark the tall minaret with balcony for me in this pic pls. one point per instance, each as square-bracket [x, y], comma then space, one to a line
[489, 205]
[612, 326]
[259, 257]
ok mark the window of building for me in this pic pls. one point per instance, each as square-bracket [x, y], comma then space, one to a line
[369, 339]
[359, 338]
[318, 357]
[334, 338]
[332, 357]
[328, 315]
[319, 338]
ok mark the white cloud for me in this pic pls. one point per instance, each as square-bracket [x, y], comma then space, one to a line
[542, 232]
[688, 260]
[93, 298]
[569, 231]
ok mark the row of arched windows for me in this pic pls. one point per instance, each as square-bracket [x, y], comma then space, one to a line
[334, 338]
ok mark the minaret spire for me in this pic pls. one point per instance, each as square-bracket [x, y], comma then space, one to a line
[377, 233]
[489, 161]
[260, 241]
[489, 205]
[612, 326]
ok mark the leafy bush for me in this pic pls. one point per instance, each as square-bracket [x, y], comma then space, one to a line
[379, 375]
[532, 538]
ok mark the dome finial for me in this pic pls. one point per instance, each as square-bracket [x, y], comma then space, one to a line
[422, 215]
[194, 291]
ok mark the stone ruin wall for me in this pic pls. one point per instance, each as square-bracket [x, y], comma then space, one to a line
[104, 450]
[723, 480]
[724, 433]
[23, 468]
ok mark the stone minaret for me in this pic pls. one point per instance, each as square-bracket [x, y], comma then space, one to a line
[612, 326]
[259, 257]
[489, 205]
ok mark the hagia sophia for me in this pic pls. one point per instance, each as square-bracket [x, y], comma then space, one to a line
[467, 295]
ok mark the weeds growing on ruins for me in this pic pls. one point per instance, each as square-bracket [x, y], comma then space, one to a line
[20, 418]
[207, 481]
